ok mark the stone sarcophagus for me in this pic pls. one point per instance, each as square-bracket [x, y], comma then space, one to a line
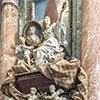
[27, 80]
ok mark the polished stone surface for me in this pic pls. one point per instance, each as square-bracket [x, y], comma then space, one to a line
[90, 43]
[91, 46]
[9, 30]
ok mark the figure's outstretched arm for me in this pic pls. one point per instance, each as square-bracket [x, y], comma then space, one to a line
[26, 47]
[64, 6]
[60, 91]
[49, 97]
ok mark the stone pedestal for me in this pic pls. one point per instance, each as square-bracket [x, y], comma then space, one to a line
[9, 31]
[91, 46]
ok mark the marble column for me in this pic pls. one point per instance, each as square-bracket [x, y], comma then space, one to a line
[91, 46]
[9, 31]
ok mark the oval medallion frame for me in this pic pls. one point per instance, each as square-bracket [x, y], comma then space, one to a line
[38, 33]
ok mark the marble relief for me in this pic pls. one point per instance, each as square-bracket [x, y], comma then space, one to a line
[42, 46]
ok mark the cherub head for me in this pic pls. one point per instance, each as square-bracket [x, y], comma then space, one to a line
[33, 90]
[47, 21]
[52, 88]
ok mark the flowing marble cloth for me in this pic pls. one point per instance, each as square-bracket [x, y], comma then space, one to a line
[69, 75]
[66, 73]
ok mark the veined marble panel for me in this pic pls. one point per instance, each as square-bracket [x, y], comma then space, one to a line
[91, 46]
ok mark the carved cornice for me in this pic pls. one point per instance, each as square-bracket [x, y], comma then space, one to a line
[14, 2]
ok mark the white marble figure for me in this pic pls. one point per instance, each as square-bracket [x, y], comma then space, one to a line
[60, 27]
[32, 95]
[55, 94]
[54, 40]
[24, 50]
[49, 46]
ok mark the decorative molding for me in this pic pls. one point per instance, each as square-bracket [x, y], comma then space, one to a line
[25, 13]
[15, 2]
[76, 26]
